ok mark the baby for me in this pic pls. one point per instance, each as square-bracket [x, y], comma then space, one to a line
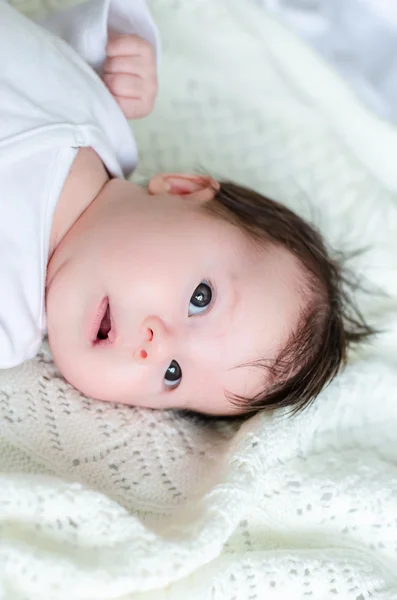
[190, 294]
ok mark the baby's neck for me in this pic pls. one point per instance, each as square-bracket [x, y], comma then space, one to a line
[86, 179]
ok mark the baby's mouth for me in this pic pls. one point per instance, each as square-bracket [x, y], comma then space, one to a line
[105, 325]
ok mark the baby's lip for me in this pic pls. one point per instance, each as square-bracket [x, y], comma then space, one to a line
[112, 335]
[96, 320]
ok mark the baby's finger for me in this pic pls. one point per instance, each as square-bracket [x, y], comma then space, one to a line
[124, 85]
[134, 108]
[136, 65]
[129, 45]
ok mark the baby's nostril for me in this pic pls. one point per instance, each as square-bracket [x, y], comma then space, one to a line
[150, 335]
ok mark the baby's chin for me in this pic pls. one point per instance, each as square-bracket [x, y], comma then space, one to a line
[73, 369]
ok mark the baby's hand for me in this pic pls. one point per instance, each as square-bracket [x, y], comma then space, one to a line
[130, 74]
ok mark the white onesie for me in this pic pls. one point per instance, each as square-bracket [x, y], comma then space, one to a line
[51, 103]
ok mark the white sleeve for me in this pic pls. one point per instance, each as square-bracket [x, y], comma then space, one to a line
[11, 355]
[7, 351]
[85, 26]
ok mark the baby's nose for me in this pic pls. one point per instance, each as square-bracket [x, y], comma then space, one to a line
[156, 345]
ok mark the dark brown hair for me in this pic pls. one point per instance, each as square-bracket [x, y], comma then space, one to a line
[330, 321]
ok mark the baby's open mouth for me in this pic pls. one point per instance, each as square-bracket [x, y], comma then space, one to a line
[105, 325]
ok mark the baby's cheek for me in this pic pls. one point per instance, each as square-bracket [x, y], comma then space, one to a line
[106, 377]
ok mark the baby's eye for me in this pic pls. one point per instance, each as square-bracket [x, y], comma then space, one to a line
[201, 299]
[173, 375]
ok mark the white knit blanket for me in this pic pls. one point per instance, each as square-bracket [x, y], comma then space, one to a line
[108, 502]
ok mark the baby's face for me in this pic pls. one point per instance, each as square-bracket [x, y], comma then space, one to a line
[151, 302]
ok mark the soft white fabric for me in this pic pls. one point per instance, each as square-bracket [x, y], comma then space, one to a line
[358, 37]
[51, 103]
[85, 26]
[158, 506]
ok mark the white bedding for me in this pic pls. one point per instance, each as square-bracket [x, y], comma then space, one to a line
[106, 502]
[358, 37]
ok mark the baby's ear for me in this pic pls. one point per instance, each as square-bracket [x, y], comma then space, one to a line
[197, 187]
